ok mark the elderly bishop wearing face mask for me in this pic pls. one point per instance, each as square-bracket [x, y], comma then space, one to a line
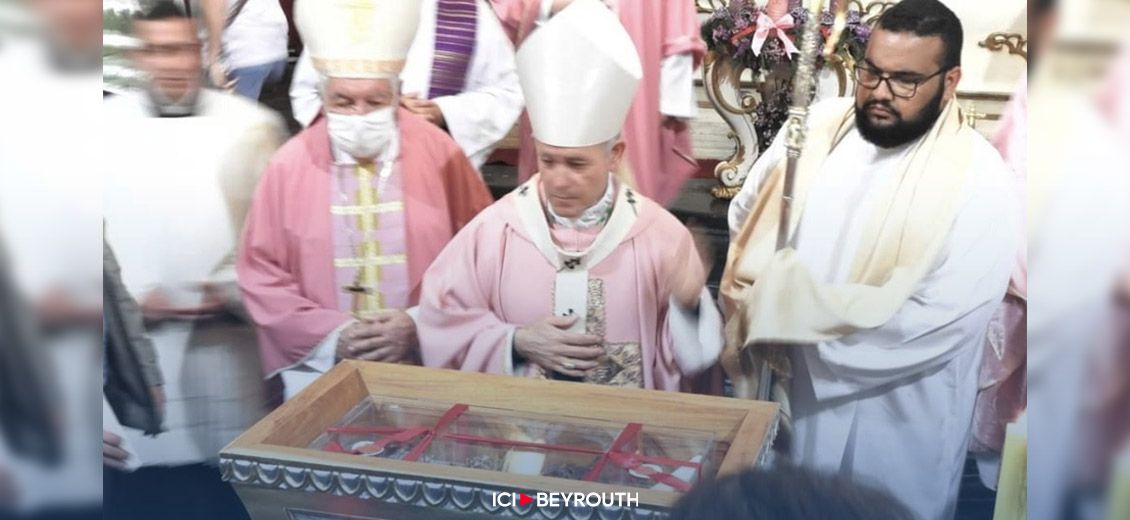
[573, 275]
[351, 211]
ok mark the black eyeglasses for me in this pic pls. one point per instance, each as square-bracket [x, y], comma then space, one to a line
[901, 87]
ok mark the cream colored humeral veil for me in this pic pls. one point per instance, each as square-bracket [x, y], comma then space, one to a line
[770, 299]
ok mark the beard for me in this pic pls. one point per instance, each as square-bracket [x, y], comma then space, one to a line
[902, 131]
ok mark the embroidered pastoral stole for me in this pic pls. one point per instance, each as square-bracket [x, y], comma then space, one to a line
[370, 250]
[456, 28]
[574, 292]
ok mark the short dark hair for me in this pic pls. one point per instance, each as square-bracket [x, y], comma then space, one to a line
[927, 18]
[159, 10]
[786, 493]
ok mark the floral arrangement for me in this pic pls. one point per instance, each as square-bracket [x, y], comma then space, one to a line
[762, 38]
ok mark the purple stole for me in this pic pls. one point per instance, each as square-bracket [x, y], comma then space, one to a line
[456, 27]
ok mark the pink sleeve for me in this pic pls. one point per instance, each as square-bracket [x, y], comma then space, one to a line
[290, 325]
[457, 327]
[681, 30]
[668, 375]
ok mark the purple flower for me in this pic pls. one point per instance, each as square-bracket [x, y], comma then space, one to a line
[800, 16]
[862, 33]
[720, 34]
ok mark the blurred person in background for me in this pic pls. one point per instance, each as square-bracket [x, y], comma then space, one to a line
[459, 75]
[50, 229]
[184, 164]
[1106, 460]
[73, 32]
[246, 44]
[351, 211]
[30, 432]
[660, 156]
[1078, 245]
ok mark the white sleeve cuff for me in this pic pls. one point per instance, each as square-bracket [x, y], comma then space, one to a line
[676, 86]
[322, 359]
[696, 338]
[509, 367]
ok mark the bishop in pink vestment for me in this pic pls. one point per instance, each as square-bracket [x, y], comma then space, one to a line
[499, 274]
[286, 264]
[572, 275]
[666, 35]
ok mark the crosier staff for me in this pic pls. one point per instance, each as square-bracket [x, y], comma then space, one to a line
[804, 84]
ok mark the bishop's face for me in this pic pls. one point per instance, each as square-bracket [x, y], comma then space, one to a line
[170, 56]
[575, 179]
[358, 96]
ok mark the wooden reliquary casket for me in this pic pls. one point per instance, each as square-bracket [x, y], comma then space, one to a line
[380, 441]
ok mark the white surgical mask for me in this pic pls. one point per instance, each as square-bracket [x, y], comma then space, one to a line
[363, 136]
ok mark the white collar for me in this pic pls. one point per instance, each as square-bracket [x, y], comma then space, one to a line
[594, 216]
[531, 212]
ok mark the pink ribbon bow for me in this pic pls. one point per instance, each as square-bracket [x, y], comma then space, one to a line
[765, 27]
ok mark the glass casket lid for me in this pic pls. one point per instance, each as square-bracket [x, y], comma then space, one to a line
[632, 455]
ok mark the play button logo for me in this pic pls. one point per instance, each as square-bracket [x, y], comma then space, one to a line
[512, 499]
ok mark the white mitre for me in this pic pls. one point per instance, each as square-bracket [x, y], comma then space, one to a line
[579, 73]
[357, 38]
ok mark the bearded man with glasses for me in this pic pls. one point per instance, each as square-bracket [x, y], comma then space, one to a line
[904, 231]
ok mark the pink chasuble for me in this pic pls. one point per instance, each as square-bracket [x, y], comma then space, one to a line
[286, 266]
[660, 154]
[493, 278]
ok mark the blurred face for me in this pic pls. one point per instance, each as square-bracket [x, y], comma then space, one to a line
[574, 179]
[75, 24]
[358, 96]
[170, 56]
[902, 87]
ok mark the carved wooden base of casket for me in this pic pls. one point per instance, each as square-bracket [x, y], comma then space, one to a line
[378, 441]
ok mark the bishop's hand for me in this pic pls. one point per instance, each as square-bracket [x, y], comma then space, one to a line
[389, 337]
[549, 345]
